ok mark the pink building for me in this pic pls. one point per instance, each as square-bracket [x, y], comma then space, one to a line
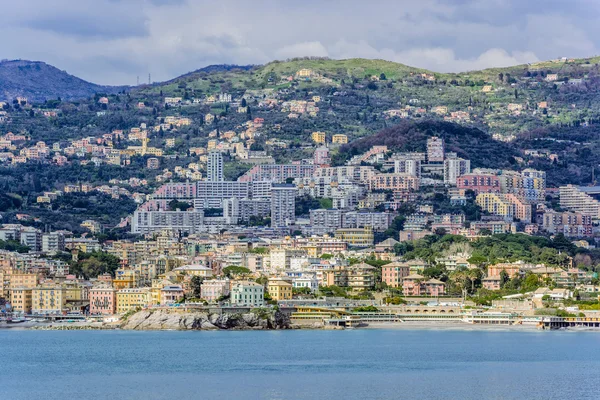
[321, 156]
[393, 273]
[492, 282]
[416, 285]
[213, 289]
[103, 300]
[479, 183]
[170, 294]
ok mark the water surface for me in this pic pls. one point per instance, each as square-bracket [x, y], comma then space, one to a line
[357, 364]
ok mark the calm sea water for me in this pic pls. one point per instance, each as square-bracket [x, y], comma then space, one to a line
[358, 364]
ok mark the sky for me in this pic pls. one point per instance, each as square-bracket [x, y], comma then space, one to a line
[114, 41]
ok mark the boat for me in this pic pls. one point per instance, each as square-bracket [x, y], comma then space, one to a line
[16, 320]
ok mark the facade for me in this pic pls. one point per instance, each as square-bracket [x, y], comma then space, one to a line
[454, 168]
[248, 294]
[283, 205]
[54, 241]
[573, 224]
[339, 139]
[279, 289]
[103, 300]
[479, 182]
[393, 274]
[318, 137]
[435, 150]
[394, 182]
[505, 205]
[407, 166]
[356, 237]
[214, 167]
[48, 299]
[579, 199]
[214, 289]
[210, 194]
[417, 285]
[171, 294]
[147, 222]
[361, 276]
[21, 299]
[130, 299]
[277, 173]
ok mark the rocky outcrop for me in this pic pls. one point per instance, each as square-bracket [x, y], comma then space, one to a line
[199, 320]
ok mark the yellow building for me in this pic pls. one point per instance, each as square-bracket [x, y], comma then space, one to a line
[48, 299]
[318, 137]
[21, 279]
[20, 299]
[279, 289]
[129, 299]
[339, 139]
[304, 73]
[126, 278]
[74, 291]
[358, 237]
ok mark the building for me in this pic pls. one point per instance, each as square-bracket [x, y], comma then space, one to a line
[126, 278]
[283, 205]
[321, 156]
[153, 163]
[277, 172]
[454, 168]
[339, 139]
[580, 199]
[361, 276]
[214, 167]
[505, 205]
[21, 299]
[479, 182]
[392, 274]
[171, 294]
[279, 289]
[31, 237]
[195, 270]
[131, 299]
[247, 294]
[48, 299]
[318, 137]
[147, 222]
[356, 237]
[395, 182]
[214, 289]
[573, 224]
[435, 150]
[103, 300]
[407, 166]
[53, 242]
[417, 285]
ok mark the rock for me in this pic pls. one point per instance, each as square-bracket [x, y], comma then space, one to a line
[174, 319]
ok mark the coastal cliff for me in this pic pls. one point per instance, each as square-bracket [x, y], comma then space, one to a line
[200, 320]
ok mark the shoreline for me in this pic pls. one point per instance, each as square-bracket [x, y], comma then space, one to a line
[417, 325]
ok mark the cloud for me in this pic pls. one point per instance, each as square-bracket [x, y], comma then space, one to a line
[114, 41]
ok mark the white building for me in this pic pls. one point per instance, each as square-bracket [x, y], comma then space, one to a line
[283, 205]
[214, 167]
[249, 294]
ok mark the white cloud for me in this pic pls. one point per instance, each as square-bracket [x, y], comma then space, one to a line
[171, 37]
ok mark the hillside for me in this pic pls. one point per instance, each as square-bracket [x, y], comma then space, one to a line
[499, 101]
[38, 81]
[469, 143]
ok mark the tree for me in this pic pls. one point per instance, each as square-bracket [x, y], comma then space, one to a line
[504, 278]
[195, 286]
[232, 270]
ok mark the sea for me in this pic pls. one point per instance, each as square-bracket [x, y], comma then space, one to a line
[299, 364]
